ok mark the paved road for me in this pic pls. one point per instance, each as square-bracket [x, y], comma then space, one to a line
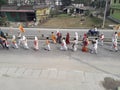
[47, 31]
[57, 70]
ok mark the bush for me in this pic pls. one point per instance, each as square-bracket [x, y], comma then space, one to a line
[3, 21]
[87, 13]
[63, 15]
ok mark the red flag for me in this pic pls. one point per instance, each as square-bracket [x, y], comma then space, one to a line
[21, 28]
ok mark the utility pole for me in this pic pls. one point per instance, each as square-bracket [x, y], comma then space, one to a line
[104, 18]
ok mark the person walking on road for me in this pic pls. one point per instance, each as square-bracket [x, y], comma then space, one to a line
[85, 44]
[101, 39]
[36, 46]
[63, 45]
[14, 44]
[116, 36]
[19, 38]
[115, 46]
[76, 36]
[53, 37]
[4, 43]
[114, 41]
[95, 46]
[59, 36]
[47, 44]
[67, 38]
[3, 40]
[25, 43]
[74, 46]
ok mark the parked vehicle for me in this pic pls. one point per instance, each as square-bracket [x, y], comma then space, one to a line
[92, 32]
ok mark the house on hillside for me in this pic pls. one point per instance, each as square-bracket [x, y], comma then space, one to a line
[25, 10]
[42, 13]
[115, 10]
[76, 8]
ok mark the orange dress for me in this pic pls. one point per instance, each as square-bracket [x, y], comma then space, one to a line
[85, 48]
[53, 38]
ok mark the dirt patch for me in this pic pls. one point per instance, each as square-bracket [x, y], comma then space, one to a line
[111, 84]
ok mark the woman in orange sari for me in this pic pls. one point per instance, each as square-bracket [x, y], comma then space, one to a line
[85, 44]
[53, 37]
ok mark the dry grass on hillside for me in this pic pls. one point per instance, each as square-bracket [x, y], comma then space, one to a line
[73, 22]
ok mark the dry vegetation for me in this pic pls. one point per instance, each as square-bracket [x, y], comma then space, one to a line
[74, 22]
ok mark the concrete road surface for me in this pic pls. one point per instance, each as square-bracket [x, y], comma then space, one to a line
[57, 70]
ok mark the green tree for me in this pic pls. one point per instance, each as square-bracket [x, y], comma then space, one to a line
[3, 2]
[99, 3]
[2, 19]
[78, 1]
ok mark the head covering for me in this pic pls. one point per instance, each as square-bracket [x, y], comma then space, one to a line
[24, 38]
[14, 37]
[36, 38]
[57, 31]
[64, 41]
[76, 34]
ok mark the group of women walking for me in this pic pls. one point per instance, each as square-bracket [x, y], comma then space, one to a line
[56, 37]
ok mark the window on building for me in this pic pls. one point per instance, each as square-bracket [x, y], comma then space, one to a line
[114, 1]
[119, 1]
